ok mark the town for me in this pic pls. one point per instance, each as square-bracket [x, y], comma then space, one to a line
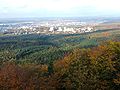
[55, 27]
[52, 27]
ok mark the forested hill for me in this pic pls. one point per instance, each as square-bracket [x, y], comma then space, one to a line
[47, 48]
[81, 69]
[87, 61]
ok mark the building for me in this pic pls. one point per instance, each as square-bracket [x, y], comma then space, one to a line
[51, 29]
[60, 29]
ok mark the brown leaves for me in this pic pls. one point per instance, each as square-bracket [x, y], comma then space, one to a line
[11, 76]
[96, 68]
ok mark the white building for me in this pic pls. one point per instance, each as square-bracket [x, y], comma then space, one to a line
[69, 30]
[51, 29]
[86, 29]
[59, 29]
[90, 28]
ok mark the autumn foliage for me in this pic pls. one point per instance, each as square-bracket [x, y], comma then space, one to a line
[82, 69]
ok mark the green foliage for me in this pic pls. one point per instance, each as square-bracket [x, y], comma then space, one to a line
[91, 69]
[77, 61]
[97, 68]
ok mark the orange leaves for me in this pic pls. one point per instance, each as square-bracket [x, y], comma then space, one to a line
[44, 68]
[67, 60]
[14, 77]
[96, 68]
[11, 76]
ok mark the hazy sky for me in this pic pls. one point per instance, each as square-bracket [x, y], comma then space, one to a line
[58, 8]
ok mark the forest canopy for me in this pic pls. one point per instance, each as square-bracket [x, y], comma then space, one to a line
[96, 68]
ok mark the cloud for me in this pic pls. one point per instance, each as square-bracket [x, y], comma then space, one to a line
[60, 6]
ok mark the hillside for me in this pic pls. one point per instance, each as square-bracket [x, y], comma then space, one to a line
[46, 48]
[81, 69]
[86, 61]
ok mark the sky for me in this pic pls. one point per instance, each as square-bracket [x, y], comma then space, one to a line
[58, 8]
